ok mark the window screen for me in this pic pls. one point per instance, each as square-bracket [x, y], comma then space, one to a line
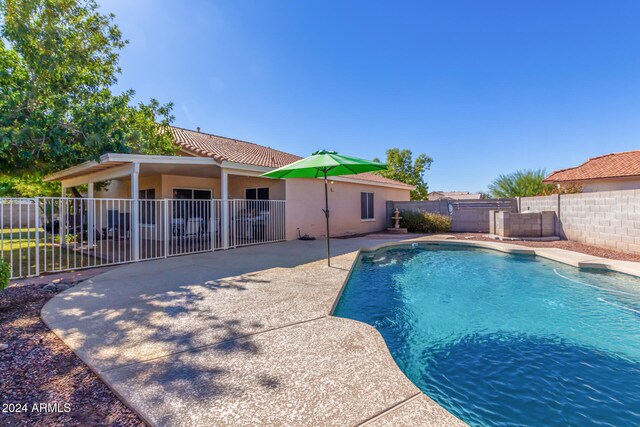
[366, 205]
[147, 208]
[257, 193]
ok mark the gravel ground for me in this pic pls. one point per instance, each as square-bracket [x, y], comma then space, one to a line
[561, 244]
[37, 367]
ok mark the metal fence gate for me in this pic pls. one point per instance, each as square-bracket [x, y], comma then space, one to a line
[50, 234]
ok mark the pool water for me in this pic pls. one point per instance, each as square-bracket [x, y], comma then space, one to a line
[503, 340]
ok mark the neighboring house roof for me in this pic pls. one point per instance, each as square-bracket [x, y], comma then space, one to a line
[237, 151]
[457, 195]
[614, 165]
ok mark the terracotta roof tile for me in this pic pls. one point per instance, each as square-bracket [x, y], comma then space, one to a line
[608, 166]
[231, 150]
[377, 178]
[234, 150]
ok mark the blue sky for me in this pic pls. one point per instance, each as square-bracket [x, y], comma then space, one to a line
[483, 87]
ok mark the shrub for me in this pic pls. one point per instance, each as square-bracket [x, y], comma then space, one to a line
[5, 273]
[425, 222]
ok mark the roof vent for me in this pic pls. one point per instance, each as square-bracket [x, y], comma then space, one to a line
[198, 129]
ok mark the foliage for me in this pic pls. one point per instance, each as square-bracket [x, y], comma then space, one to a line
[28, 185]
[567, 189]
[58, 64]
[5, 273]
[522, 183]
[403, 168]
[425, 222]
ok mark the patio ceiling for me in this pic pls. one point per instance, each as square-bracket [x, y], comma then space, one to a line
[112, 166]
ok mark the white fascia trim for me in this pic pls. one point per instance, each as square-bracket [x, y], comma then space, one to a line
[72, 170]
[351, 179]
[132, 158]
[143, 158]
[103, 175]
[234, 168]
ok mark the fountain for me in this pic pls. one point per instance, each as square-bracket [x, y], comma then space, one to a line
[396, 227]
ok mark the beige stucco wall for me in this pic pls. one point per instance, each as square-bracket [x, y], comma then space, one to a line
[609, 184]
[238, 184]
[305, 201]
[117, 189]
[164, 185]
[169, 182]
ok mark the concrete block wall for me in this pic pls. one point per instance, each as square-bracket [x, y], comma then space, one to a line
[539, 204]
[466, 215]
[532, 224]
[472, 220]
[549, 223]
[433, 206]
[609, 219]
[18, 215]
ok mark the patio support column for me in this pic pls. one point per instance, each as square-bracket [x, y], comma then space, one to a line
[62, 220]
[91, 233]
[224, 184]
[135, 220]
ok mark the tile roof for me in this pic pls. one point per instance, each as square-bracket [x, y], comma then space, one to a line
[612, 165]
[234, 150]
[377, 178]
[231, 150]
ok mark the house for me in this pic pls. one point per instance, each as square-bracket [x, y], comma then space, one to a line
[453, 195]
[615, 171]
[214, 184]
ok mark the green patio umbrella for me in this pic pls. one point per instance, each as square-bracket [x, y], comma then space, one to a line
[323, 164]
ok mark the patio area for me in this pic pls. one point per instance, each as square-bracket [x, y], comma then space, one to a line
[185, 339]
[245, 336]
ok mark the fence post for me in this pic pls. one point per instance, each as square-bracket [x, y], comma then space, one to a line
[212, 222]
[224, 185]
[166, 228]
[37, 223]
[135, 215]
[91, 233]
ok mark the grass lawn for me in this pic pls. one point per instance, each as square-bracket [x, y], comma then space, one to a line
[18, 248]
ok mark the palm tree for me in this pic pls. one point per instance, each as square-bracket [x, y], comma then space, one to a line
[520, 184]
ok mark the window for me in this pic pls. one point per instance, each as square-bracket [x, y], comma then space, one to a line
[256, 193]
[191, 194]
[186, 210]
[366, 206]
[147, 206]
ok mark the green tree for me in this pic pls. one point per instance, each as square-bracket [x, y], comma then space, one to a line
[522, 183]
[28, 185]
[58, 65]
[403, 168]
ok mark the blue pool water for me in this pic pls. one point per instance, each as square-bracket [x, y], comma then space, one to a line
[503, 340]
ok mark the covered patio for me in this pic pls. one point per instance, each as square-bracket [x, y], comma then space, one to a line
[137, 207]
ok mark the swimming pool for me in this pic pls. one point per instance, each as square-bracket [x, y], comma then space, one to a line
[500, 339]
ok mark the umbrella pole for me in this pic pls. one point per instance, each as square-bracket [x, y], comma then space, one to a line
[326, 214]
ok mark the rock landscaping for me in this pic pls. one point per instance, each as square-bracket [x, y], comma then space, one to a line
[560, 244]
[42, 382]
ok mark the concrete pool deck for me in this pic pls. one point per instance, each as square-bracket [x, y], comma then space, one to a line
[245, 337]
